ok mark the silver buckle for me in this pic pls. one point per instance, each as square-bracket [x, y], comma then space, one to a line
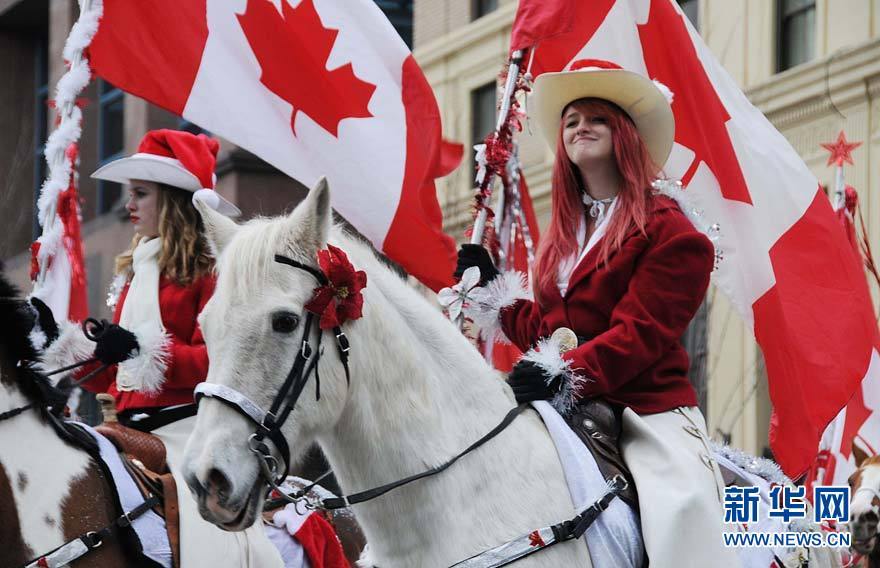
[347, 347]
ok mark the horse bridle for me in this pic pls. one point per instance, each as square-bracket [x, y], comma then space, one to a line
[269, 422]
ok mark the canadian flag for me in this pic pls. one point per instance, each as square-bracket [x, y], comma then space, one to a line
[57, 261]
[314, 87]
[787, 266]
[854, 434]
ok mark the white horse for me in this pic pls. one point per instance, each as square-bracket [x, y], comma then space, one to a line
[419, 394]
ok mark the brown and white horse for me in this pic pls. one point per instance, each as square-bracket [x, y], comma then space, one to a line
[864, 509]
[50, 491]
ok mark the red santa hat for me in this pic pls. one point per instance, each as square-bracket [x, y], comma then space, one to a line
[176, 158]
[311, 533]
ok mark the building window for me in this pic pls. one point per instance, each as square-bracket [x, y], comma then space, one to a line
[41, 123]
[691, 9]
[480, 8]
[400, 14]
[111, 141]
[796, 32]
[484, 112]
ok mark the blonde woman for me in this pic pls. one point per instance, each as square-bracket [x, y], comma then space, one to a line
[154, 347]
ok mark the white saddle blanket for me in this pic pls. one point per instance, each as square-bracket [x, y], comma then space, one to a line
[150, 527]
[614, 539]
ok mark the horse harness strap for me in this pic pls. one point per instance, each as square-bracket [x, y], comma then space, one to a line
[545, 537]
[82, 545]
[16, 411]
[347, 500]
[269, 422]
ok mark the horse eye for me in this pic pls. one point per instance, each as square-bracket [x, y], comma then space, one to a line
[284, 322]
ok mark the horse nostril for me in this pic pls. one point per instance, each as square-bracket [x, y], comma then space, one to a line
[220, 484]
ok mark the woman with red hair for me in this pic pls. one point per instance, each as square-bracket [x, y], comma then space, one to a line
[624, 270]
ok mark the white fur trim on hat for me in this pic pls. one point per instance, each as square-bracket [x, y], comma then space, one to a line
[71, 346]
[546, 355]
[646, 103]
[147, 368]
[485, 308]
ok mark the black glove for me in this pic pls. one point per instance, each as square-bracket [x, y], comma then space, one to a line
[530, 382]
[45, 320]
[115, 344]
[476, 255]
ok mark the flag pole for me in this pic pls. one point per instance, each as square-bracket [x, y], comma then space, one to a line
[60, 162]
[510, 85]
[839, 187]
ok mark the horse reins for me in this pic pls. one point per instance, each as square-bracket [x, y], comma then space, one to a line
[269, 423]
[92, 329]
[16, 411]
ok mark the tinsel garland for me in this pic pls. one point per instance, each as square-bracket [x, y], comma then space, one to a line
[65, 136]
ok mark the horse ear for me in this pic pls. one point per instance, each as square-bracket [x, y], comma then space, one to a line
[219, 229]
[310, 221]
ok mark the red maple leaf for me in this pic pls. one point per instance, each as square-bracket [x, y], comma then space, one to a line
[700, 116]
[293, 47]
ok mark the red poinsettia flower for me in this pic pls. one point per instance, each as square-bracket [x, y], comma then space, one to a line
[341, 299]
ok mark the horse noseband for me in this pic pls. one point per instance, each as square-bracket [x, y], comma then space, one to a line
[269, 422]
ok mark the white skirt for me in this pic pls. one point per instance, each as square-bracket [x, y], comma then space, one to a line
[201, 543]
[681, 491]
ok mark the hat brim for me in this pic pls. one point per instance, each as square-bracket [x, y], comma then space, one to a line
[159, 169]
[634, 93]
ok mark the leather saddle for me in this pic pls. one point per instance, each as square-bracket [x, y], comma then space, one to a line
[144, 456]
[598, 424]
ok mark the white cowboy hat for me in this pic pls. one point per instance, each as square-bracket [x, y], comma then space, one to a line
[161, 158]
[646, 102]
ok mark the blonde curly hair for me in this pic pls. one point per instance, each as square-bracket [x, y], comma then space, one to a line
[185, 255]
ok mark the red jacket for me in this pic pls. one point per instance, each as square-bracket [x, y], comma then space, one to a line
[632, 313]
[188, 360]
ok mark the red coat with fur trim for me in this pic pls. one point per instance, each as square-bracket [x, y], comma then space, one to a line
[632, 312]
[187, 356]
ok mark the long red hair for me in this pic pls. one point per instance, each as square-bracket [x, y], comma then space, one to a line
[631, 208]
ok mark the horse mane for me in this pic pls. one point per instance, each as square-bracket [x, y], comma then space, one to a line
[255, 247]
[17, 352]
[18, 322]
[248, 261]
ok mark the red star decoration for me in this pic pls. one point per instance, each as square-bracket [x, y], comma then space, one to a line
[841, 151]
